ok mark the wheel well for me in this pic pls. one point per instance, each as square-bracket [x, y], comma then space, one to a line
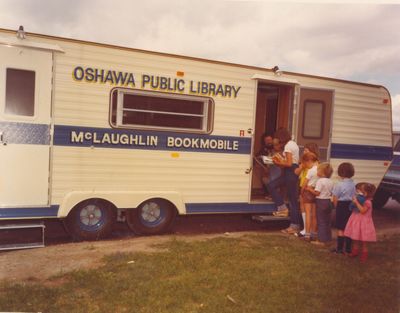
[95, 200]
[171, 205]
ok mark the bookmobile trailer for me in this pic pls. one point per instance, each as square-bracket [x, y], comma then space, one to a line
[90, 130]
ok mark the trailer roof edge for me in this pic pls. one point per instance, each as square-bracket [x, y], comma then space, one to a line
[189, 58]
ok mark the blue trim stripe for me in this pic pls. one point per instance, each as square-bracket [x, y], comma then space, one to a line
[396, 160]
[235, 207]
[361, 152]
[191, 208]
[33, 212]
[148, 140]
[39, 134]
[25, 133]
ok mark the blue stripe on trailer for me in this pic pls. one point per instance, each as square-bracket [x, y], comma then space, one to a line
[396, 160]
[360, 152]
[39, 134]
[31, 212]
[148, 140]
[235, 207]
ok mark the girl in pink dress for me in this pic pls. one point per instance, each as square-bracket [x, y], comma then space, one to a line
[360, 227]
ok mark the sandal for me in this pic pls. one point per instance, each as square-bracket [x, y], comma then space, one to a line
[289, 230]
[283, 213]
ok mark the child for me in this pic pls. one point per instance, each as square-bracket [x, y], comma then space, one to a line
[301, 171]
[360, 197]
[343, 193]
[323, 193]
[288, 164]
[309, 161]
[360, 226]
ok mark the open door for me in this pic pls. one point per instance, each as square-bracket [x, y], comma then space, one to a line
[315, 119]
[25, 108]
[273, 110]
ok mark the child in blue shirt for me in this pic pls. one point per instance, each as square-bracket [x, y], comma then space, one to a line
[343, 194]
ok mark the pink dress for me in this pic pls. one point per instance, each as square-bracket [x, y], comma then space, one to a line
[361, 226]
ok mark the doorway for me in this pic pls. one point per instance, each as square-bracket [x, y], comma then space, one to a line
[273, 110]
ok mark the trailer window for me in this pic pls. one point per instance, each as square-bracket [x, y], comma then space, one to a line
[20, 92]
[161, 111]
[313, 118]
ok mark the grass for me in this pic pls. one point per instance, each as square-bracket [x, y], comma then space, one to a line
[257, 273]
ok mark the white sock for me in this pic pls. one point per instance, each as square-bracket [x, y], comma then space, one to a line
[303, 215]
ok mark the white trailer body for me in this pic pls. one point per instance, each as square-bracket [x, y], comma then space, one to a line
[86, 125]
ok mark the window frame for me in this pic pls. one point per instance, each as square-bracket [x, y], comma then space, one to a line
[20, 116]
[321, 136]
[207, 116]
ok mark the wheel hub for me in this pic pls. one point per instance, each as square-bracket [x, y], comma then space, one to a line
[90, 215]
[151, 212]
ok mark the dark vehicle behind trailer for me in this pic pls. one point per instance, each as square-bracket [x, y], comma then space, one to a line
[390, 185]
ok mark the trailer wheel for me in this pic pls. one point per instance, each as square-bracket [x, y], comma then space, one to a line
[91, 220]
[380, 198]
[153, 216]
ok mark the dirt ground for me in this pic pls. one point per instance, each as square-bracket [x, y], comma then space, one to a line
[61, 255]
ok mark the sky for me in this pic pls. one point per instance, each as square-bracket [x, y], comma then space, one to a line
[357, 40]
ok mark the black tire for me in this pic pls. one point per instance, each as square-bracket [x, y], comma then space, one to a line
[380, 198]
[154, 216]
[92, 219]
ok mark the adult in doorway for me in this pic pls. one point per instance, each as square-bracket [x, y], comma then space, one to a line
[288, 164]
[267, 150]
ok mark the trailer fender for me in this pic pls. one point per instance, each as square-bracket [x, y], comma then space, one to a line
[121, 199]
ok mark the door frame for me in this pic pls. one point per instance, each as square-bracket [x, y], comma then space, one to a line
[292, 93]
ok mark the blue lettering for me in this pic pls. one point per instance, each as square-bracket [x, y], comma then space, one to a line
[121, 77]
[89, 74]
[191, 87]
[236, 91]
[99, 76]
[204, 88]
[163, 83]
[212, 89]
[181, 85]
[78, 73]
[153, 83]
[145, 80]
[109, 77]
[220, 90]
[131, 80]
[228, 90]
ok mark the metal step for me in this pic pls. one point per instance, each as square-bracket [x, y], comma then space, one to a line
[265, 218]
[21, 245]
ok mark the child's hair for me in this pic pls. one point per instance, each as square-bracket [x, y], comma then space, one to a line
[326, 168]
[360, 186]
[309, 156]
[346, 170]
[369, 189]
[312, 147]
[283, 135]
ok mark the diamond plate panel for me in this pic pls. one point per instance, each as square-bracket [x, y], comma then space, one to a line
[25, 133]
